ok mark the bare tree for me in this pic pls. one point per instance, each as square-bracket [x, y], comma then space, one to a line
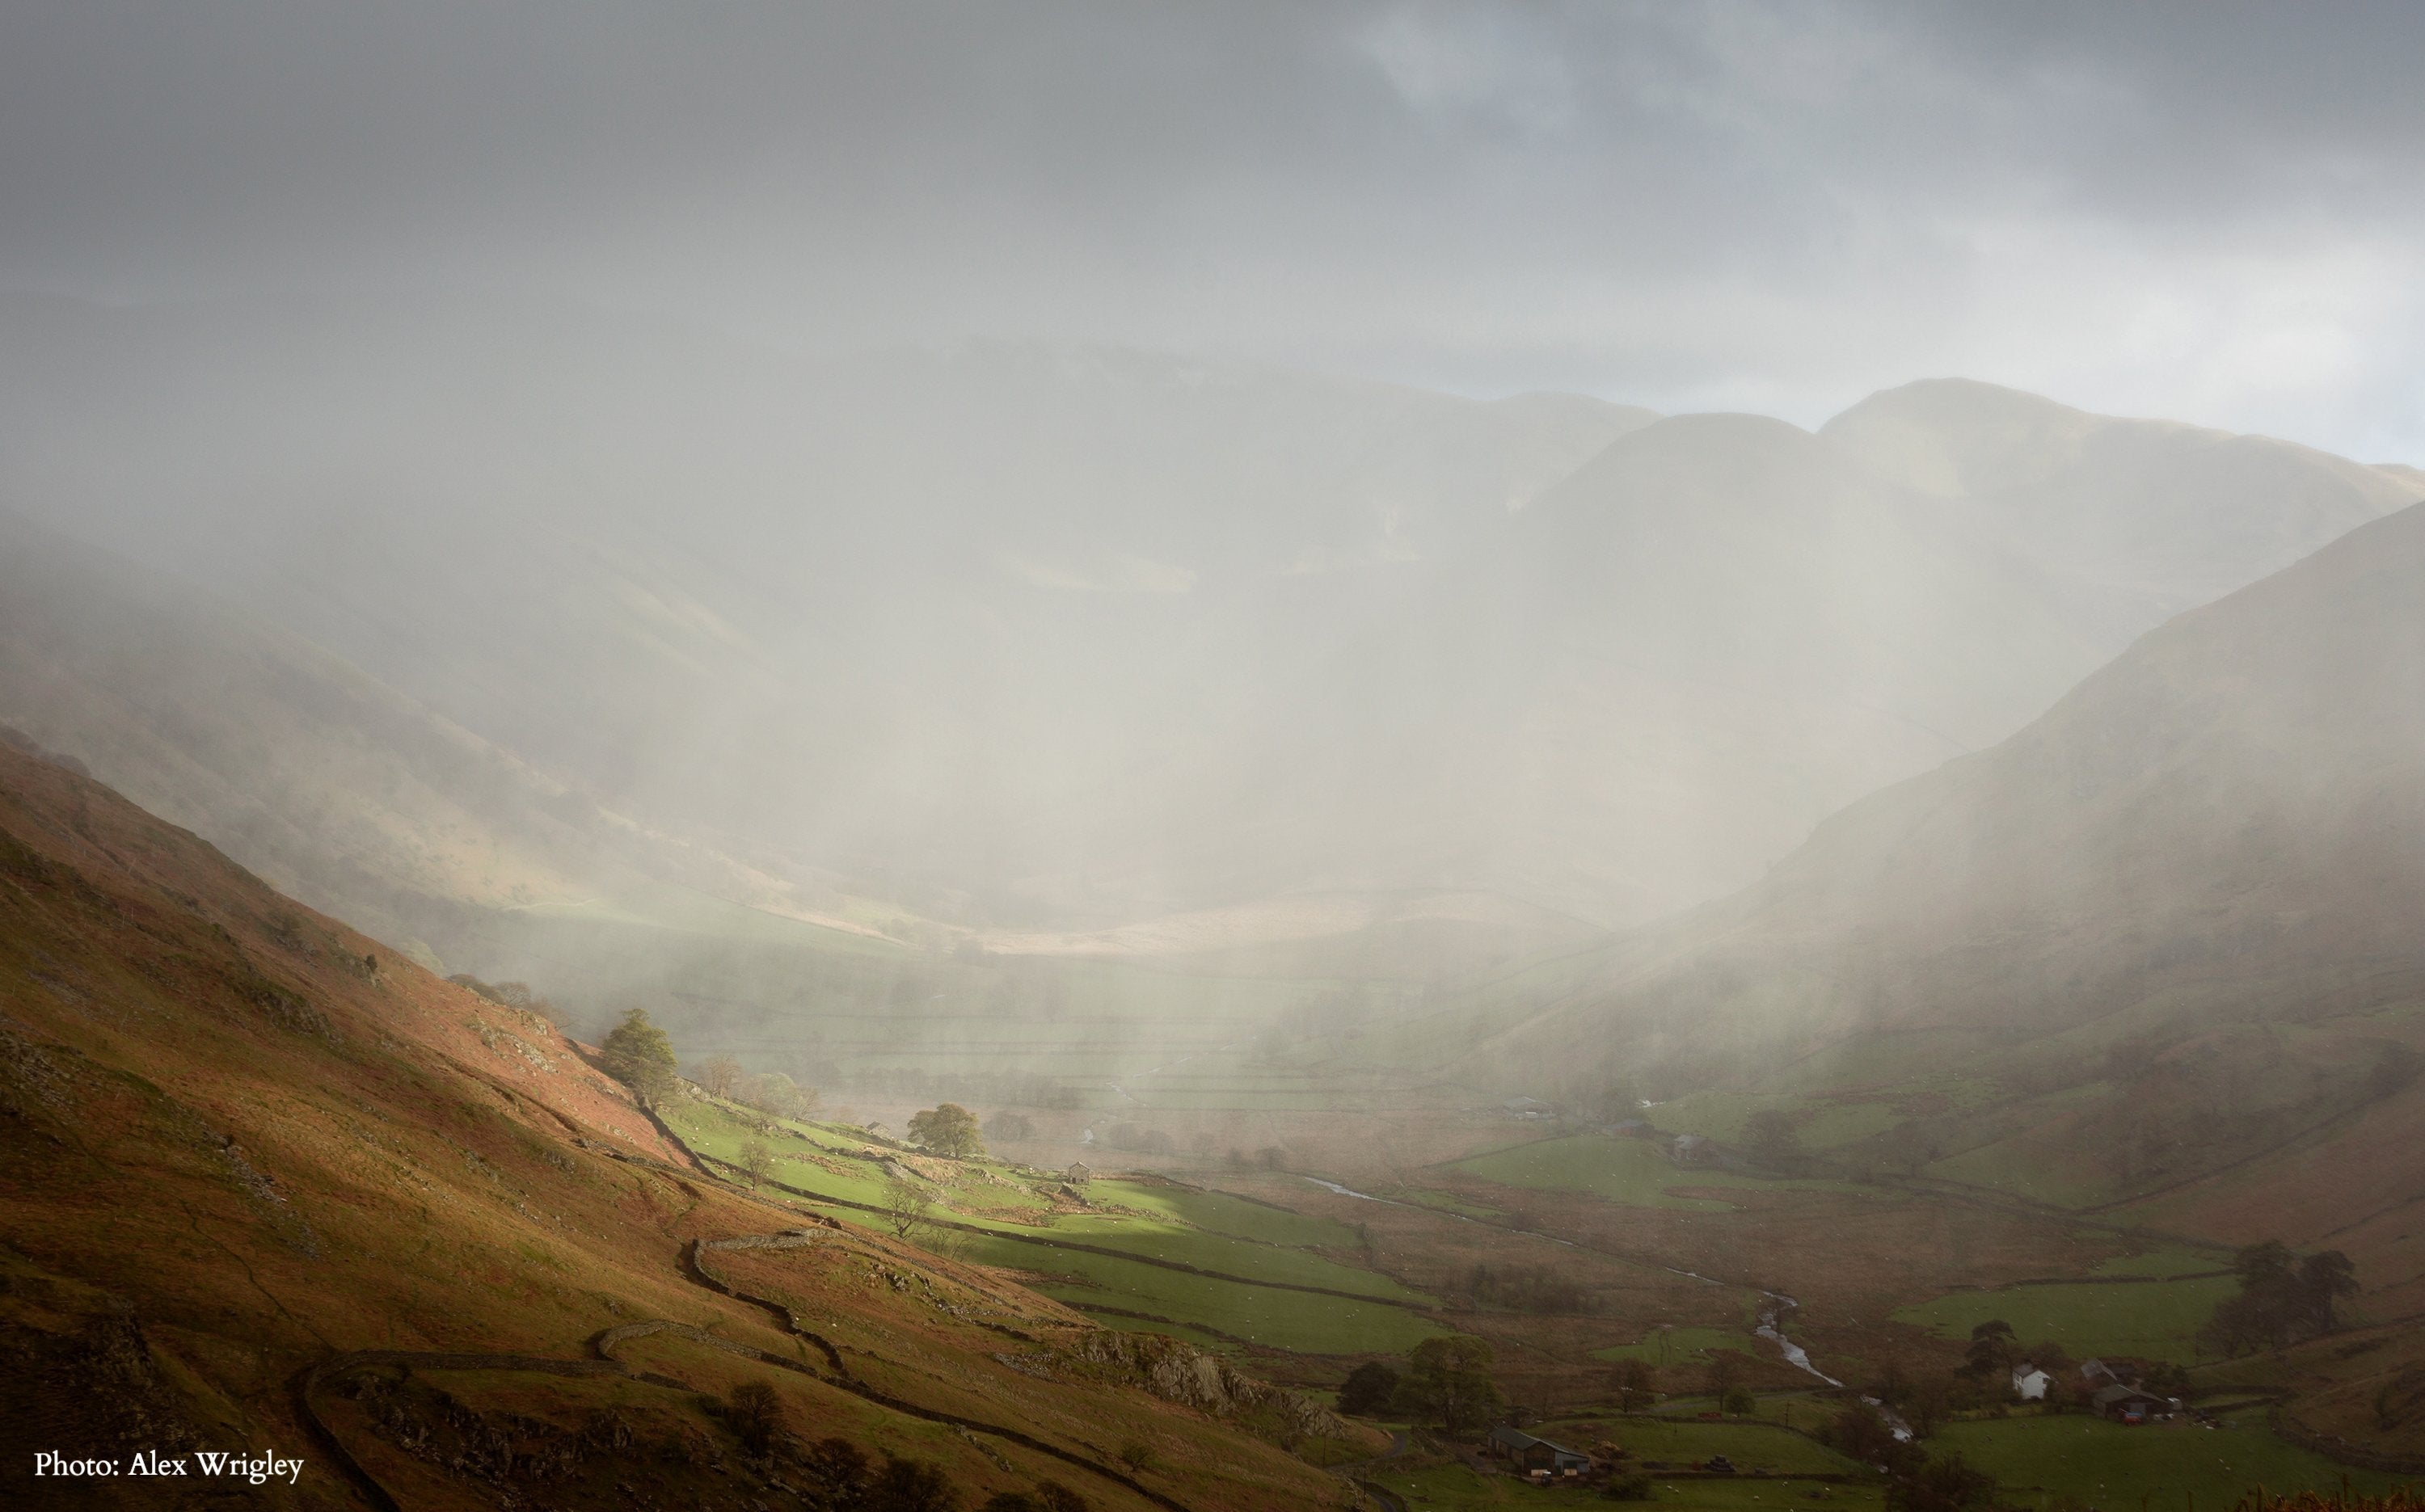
[720, 1075]
[757, 1161]
[909, 1207]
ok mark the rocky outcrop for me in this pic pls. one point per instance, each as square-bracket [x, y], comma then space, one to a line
[1169, 1369]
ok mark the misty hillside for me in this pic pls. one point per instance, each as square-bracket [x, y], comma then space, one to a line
[1656, 679]
[2159, 948]
[269, 1186]
[1029, 640]
[2156, 515]
[2233, 807]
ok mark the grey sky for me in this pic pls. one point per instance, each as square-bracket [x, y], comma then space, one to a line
[2200, 210]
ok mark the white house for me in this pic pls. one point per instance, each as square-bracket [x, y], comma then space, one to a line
[2030, 1384]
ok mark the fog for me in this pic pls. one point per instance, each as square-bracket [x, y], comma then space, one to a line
[1347, 500]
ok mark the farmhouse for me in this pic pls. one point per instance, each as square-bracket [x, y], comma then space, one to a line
[2030, 1384]
[1531, 1453]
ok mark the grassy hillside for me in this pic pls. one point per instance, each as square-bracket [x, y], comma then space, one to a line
[265, 1184]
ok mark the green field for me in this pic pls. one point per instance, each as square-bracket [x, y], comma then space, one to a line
[2105, 1464]
[2158, 1319]
[1750, 1446]
[1685, 1346]
[1631, 1171]
[1212, 1231]
[2170, 1261]
[1451, 1488]
[1305, 1322]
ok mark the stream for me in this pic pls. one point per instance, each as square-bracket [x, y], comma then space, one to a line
[1771, 1324]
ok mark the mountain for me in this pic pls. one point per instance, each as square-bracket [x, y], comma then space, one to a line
[1654, 681]
[2156, 515]
[2154, 958]
[1666, 670]
[344, 790]
[270, 1190]
[1004, 642]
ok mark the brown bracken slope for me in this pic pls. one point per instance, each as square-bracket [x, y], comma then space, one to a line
[265, 1188]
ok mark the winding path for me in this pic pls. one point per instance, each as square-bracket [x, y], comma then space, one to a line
[697, 1268]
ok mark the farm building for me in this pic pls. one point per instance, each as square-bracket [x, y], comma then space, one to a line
[1529, 1453]
[2030, 1384]
[2129, 1403]
[1077, 1173]
[1691, 1150]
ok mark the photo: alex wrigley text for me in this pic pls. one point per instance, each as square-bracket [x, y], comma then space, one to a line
[203, 1464]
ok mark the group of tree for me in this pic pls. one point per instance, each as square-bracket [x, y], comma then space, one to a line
[1270, 1157]
[1447, 1382]
[2282, 1298]
[1916, 1480]
[848, 1481]
[771, 1092]
[948, 1130]
[1773, 1138]
[1007, 1127]
[1139, 1138]
[1002, 1088]
[1525, 1289]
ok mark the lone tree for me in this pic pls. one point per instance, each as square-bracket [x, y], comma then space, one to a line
[1367, 1390]
[1991, 1351]
[757, 1162]
[1636, 1387]
[949, 1130]
[638, 1055]
[907, 1206]
[1773, 1140]
[1447, 1382]
[912, 1486]
[756, 1413]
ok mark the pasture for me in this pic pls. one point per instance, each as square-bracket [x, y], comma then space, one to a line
[2157, 1319]
[2038, 1459]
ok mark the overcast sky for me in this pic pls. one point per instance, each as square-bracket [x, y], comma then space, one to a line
[2196, 209]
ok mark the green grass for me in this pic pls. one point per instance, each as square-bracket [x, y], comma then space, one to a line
[1300, 1321]
[1750, 1446]
[1212, 1231]
[1631, 1171]
[2023, 1173]
[1840, 1123]
[2170, 1261]
[1220, 1213]
[1207, 1252]
[2158, 1319]
[1684, 1347]
[1451, 1488]
[2106, 1464]
[1446, 1202]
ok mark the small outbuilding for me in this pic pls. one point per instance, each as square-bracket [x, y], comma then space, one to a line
[1077, 1174]
[1691, 1150]
[1530, 1453]
[2030, 1384]
[2129, 1403]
